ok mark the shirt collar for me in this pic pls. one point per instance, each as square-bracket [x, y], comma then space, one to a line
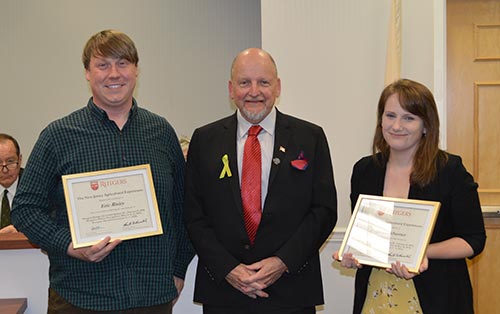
[268, 124]
[103, 116]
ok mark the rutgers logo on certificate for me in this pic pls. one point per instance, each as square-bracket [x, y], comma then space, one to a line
[120, 203]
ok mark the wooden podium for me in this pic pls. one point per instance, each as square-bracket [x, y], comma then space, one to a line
[14, 241]
[13, 306]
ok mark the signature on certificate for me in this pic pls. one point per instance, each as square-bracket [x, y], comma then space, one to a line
[135, 222]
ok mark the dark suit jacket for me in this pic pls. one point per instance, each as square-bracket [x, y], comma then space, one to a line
[20, 174]
[299, 213]
[445, 287]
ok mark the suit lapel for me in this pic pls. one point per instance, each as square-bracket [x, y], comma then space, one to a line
[282, 135]
[229, 141]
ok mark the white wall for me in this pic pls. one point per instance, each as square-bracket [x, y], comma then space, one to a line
[330, 56]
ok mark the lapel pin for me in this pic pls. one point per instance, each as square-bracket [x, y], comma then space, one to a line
[282, 149]
[276, 161]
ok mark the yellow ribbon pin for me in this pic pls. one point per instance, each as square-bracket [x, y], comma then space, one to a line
[225, 171]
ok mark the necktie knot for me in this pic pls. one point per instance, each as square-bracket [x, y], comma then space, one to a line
[254, 130]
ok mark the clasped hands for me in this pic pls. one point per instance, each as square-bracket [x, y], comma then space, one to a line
[398, 269]
[251, 280]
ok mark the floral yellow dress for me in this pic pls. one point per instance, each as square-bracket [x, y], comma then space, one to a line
[389, 294]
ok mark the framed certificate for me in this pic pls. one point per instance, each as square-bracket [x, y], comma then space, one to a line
[383, 230]
[120, 203]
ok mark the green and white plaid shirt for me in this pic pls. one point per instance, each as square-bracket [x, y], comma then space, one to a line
[139, 272]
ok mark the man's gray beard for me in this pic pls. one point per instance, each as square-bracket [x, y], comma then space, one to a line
[254, 116]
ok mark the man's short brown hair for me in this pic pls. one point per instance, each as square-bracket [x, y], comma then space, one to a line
[110, 43]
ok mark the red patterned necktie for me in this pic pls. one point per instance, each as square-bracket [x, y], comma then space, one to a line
[251, 176]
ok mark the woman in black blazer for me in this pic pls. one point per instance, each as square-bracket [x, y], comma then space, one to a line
[407, 163]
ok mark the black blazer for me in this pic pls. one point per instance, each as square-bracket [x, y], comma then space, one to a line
[445, 287]
[299, 213]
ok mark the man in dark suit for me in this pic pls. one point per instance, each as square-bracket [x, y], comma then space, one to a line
[10, 161]
[258, 240]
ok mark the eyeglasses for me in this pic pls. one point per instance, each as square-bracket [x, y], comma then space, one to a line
[10, 165]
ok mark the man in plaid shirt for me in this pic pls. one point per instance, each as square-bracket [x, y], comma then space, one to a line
[141, 275]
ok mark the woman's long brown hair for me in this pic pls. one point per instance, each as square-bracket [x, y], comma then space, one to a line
[418, 100]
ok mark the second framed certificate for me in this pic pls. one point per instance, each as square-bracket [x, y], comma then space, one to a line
[384, 230]
[120, 203]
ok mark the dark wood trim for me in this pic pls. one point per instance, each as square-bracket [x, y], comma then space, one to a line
[14, 241]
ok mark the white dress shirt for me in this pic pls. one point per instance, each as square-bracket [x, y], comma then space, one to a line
[266, 139]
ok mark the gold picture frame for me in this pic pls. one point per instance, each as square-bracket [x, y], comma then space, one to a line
[383, 230]
[120, 203]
